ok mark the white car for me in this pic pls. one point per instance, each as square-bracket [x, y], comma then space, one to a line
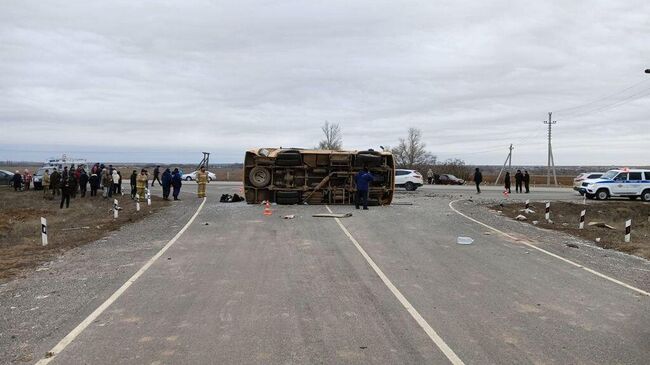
[621, 183]
[408, 179]
[581, 181]
[192, 176]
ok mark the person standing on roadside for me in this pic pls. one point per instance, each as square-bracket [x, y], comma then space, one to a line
[166, 183]
[156, 176]
[17, 181]
[46, 183]
[201, 181]
[107, 183]
[362, 180]
[478, 179]
[430, 176]
[141, 183]
[119, 184]
[83, 182]
[27, 179]
[115, 178]
[94, 184]
[519, 179]
[177, 182]
[527, 181]
[507, 182]
[65, 191]
[55, 180]
[133, 179]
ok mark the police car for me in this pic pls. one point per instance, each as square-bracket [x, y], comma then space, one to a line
[625, 182]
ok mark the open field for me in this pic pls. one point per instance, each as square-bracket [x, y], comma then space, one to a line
[86, 220]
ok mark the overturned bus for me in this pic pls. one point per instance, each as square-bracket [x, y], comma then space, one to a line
[296, 176]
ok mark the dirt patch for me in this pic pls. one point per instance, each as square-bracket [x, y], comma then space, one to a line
[87, 220]
[566, 217]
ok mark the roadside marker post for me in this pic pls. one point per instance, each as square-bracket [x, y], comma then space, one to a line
[582, 219]
[628, 229]
[115, 212]
[43, 231]
[547, 214]
[147, 194]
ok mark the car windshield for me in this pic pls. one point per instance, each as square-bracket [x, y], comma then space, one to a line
[610, 174]
[452, 177]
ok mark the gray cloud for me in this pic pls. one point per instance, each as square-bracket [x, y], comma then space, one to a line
[206, 75]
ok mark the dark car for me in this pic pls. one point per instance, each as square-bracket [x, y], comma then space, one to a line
[450, 180]
[5, 177]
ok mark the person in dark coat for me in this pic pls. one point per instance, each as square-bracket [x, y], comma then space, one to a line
[66, 185]
[73, 183]
[134, 184]
[166, 183]
[507, 182]
[177, 182]
[519, 179]
[83, 183]
[156, 176]
[527, 181]
[362, 180]
[17, 181]
[94, 184]
[55, 182]
[478, 179]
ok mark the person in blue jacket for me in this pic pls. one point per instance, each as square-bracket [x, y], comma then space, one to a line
[177, 181]
[166, 183]
[362, 179]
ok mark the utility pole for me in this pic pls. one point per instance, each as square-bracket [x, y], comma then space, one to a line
[551, 161]
[507, 161]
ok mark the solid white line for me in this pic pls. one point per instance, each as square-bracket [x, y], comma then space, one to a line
[86, 322]
[640, 291]
[451, 355]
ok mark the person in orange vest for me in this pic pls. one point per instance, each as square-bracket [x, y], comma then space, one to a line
[201, 180]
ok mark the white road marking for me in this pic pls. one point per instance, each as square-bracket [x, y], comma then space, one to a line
[437, 340]
[86, 322]
[640, 291]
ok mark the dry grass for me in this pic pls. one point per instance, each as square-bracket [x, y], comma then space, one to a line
[566, 216]
[86, 220]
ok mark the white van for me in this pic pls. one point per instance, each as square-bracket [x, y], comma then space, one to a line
[631, 183]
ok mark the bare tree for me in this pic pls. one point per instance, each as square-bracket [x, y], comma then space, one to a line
[333, 139]
[411, 151]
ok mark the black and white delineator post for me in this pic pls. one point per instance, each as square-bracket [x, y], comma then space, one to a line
[527, 204]
[582, 219]
[44, 231]
[547, 214]
[115, 210]
[137, 202]
[147, 194]
[628, 229]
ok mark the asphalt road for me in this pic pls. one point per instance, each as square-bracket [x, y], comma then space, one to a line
[251, 289]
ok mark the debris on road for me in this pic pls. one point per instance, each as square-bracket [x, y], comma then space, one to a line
[290, 216]
[535, 222]
[521, 218]
[600, 224]
[527, 211]
[572, 245]
[402, 203]
[464, 240]
[332, 215]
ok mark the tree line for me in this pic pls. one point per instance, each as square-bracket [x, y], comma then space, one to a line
[410, 153]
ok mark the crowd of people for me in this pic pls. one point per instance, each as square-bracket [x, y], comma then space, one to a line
[522, 180]
[73, 181]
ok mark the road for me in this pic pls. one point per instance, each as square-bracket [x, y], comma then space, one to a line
[239, 287]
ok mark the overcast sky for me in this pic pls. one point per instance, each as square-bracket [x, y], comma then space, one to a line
[164, 80]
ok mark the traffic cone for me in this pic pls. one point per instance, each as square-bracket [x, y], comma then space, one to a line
[267, 209]
[506, 194]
